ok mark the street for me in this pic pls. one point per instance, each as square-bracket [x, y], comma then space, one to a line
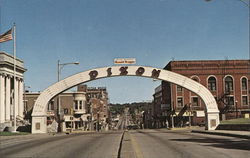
[89, 145]
[153, 143]
[183, 144]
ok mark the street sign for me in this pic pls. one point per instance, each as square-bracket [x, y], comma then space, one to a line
[124, 61]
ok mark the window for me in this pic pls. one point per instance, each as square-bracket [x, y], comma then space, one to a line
[244, 100]
[80, 104]
[76, 104]
[68, 125]
[228, 84]
[195, 101]
[179, 88]
[195, 79]
[66, 111]
[25, 102]
[179, 101]
[212, 83]
[229, 100]
[243, 84]
[51, 106]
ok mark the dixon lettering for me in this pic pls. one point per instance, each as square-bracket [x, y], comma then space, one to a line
[93, 74]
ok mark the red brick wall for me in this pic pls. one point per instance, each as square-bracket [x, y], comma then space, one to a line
[202, 70]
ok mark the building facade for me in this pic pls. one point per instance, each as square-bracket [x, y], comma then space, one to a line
[98, 101]
[77, 109]
[158, 108]
[11, 99]
[227, 80]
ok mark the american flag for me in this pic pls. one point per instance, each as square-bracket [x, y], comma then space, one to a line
[6, 36]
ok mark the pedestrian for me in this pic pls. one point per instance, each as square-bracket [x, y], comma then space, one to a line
[167, 125]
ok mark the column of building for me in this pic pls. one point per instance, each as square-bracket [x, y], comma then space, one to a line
[20, 98]
[7, 98]
[15, 108]
[2, 98]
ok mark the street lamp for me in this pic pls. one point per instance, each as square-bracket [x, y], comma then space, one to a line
[59, 68]
[61, 65]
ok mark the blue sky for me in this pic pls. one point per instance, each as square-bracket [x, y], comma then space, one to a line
[94, 32]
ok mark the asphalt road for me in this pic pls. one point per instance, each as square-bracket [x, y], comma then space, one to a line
[183, 144]
[136, 144]
[82, 145]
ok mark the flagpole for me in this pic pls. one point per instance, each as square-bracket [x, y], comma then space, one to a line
[14, 97]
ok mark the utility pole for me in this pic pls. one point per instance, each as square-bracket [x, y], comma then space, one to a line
[59, 68]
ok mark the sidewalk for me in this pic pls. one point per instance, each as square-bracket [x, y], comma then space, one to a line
[196, 129]
[238, 134]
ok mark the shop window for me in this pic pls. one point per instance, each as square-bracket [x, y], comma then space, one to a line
[244, 100]
[68, 124]
[244, 84]
[212, 83]
[228, 84]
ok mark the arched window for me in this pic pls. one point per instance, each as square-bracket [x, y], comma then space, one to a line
[195, 78]
[228, 84]
[244, 84]
[212, 83]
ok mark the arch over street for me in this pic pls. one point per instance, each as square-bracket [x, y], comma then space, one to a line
[39, 116]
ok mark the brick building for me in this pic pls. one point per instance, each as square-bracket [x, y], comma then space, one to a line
[228, 81]
[158, 108]
[76, 107]
[98, 101]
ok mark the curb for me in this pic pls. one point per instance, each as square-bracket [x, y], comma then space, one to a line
[222, 134]
[179, 129]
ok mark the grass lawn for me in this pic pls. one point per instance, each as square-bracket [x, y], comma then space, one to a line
[237, 121]
[12, 134]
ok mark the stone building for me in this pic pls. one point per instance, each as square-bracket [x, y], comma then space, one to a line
[227, 80]
[11, 99]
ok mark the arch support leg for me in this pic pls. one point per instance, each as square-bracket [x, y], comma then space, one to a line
[212, 120]
[39, 124]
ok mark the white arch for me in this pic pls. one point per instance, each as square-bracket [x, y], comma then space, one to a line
[39, 119]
